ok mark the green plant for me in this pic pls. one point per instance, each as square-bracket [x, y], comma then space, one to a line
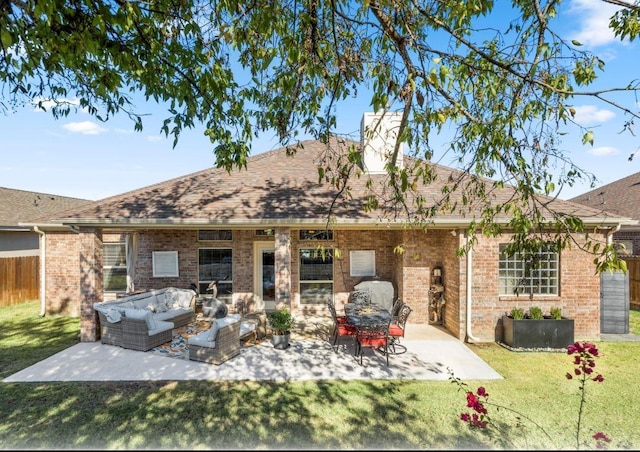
[281, 321]
[556, 313]
[535, 313]
[517, 313]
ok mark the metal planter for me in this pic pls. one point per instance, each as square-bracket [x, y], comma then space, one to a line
[544, 333]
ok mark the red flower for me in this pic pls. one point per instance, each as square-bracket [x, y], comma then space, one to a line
[599, 378]
[569, 376]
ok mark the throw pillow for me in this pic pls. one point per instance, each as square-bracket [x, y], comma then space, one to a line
[113, 315]
[151, 321]
[137, 314]
[127, 305]
[213, 332]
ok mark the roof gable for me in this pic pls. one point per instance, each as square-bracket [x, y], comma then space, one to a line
[621, 197]
[278, 188]
[17, 206]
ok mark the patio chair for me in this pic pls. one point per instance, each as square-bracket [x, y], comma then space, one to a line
[360, 297]
[395, 309]
[341, 327]
[374, 336]
[397, 327]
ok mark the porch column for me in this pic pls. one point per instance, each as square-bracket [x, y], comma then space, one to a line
[283, 266]
[91, 287]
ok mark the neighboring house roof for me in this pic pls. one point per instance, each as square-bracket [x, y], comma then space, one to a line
[19, 206]
[279, 189]
[621, 197]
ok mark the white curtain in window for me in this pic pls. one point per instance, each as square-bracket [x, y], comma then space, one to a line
[132, 252]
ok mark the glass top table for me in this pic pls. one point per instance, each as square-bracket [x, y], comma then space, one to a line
[358, 314]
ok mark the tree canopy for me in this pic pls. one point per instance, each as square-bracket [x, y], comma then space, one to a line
[504, 88]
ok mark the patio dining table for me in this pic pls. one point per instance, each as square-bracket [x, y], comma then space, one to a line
[358, 314]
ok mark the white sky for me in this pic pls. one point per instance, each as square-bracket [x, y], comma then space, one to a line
[80, 157]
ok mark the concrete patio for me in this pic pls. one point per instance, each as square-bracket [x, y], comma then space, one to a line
[430, 353]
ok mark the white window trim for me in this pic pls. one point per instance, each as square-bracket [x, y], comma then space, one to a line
[165, 264]
[362, 263]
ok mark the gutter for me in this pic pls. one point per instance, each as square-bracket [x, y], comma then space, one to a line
[470, 337]
[43, 272]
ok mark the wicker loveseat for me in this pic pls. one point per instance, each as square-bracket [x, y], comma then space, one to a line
[219, 343]
[146, 320]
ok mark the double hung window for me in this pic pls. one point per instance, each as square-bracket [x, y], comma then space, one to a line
[316, 276]
[114, 267]
[215, 266]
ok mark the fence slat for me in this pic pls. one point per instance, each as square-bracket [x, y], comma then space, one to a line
[19, 279]
[633, 267]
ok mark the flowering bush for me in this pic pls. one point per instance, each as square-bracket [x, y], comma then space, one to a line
[584, 361]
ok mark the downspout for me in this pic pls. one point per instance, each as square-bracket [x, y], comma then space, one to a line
[43, 273]
[611, 232]
[470, 336]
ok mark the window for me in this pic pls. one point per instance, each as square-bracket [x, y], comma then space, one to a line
[264, 232]
[362, 263]
[316, 234]
[316, 276]
[115, 267]
[214, 235]
[537, 276]
[165, 264]
[215, 264]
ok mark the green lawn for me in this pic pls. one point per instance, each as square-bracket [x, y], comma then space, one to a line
[309, 415]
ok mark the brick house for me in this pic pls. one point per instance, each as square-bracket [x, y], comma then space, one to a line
[262, 234]
[20, 245]
[620, 197]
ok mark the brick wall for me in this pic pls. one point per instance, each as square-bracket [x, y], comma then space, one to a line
[72, 257]
[579, 296]
[62, 280]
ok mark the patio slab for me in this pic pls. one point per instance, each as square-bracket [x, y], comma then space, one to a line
[430, 353]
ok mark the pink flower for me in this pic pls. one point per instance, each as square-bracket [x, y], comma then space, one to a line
[482, 392]
[465, 417]
[601, 436]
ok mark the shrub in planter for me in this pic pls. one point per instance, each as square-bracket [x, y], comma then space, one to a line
[281, 322]
[538, 332]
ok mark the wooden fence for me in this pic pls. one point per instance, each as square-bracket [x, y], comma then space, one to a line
[633, 267]
[19, 279]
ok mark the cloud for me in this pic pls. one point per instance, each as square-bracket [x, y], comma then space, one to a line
[155, 138]
[41, 104]
[589, 114]
[594, 25]
[84, 128]
[603, 151]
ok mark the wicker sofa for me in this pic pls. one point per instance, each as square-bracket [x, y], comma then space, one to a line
[146, 320]
[219, 343]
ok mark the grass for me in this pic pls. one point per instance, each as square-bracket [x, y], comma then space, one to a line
[308, 415]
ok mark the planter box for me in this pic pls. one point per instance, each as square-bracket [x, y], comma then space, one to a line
[545, 333]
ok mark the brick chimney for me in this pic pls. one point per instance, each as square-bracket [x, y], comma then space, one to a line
[378, 133]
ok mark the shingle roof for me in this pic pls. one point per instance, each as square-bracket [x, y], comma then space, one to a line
[621, 197]
[275, 188]
[17, 206]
